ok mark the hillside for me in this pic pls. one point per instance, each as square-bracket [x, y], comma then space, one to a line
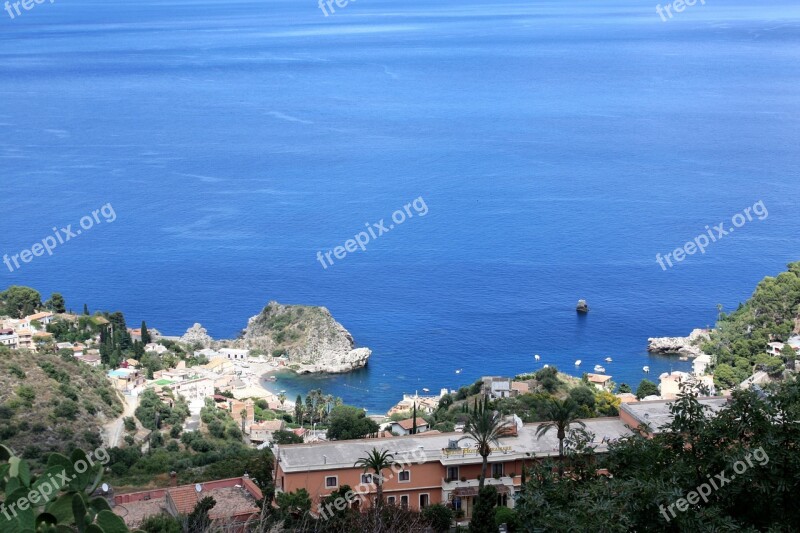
[309, 337]
[52, 404]
[770, 315]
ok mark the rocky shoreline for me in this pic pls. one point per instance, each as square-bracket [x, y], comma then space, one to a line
[307, 339]
[685, 346]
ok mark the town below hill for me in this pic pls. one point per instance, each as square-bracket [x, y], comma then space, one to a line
[175, 412]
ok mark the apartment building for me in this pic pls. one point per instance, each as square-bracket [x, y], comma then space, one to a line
[429, 469]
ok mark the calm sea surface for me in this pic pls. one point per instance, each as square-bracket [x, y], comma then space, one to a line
[558, 147]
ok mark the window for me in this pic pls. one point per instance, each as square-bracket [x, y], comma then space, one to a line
[497, 470]
[366, 479]
[452, 473]
[331, 482]
[405, 476]
[502, 500]
[391, 500]
[456, 504]
[424, 500]
[404, 502]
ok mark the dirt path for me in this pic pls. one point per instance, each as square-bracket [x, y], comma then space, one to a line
[112, 431]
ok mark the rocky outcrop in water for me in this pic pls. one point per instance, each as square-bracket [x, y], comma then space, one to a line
[197, 334]
[308, 336]
[686, 346]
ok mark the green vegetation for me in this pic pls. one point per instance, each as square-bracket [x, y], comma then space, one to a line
[484, 426]
[63, 501]
[484, 511]
[56, 303]
[740, 339]
[648, 475]
[439, 517]
[48, 404]
[152, 413]
[561, 415]
[350, 423]
[545, 385]
[646, 388]
[376, 461]
[19, 302]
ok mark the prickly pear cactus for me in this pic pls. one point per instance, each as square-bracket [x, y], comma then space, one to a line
[58, 500]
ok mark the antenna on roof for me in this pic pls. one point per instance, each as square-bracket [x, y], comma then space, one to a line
[198, 488]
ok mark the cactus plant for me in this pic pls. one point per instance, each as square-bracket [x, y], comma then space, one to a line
[57, 501]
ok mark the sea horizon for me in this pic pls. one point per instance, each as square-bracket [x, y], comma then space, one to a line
[236, 146]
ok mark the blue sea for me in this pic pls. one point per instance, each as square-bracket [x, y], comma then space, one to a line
[557, 147]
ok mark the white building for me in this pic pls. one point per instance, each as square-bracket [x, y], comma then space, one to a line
[155, 347]
[195, 389]
[234, 354]
[9, 338]
[700, 364]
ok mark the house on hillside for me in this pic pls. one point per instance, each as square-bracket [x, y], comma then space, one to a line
[264, 431]
[235, 355]
[37, 321]
[600, 381]
[9, 338]
[497, 387]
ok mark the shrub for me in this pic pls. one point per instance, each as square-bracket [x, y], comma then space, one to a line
[438, 517]
[67, 409]
[27, 394]
[504, 515]
[17, 372]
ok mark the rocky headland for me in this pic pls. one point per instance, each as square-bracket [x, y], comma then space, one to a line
[308, 336]
[687, 346]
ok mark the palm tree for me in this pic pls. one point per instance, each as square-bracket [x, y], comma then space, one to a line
[484, 426]
[243, 414]
[562, 414]
[377, 461]
[281, 398]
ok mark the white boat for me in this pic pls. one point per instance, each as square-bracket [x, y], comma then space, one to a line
[608, 359]
[426, 390]
[599, 369]
[578, 362]
[547, 366]
[646, 368]
[537, 357]
[459, 370]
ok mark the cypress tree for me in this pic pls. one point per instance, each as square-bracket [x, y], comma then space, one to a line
[146, 338]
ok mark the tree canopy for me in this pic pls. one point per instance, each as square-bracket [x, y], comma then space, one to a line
[19, 302]
[348, 422]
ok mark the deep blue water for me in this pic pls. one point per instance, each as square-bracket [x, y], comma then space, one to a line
[558, 147]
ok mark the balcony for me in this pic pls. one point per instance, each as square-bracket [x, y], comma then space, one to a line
[469, 488]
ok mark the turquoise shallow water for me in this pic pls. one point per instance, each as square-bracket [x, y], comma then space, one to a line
[558, 147]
